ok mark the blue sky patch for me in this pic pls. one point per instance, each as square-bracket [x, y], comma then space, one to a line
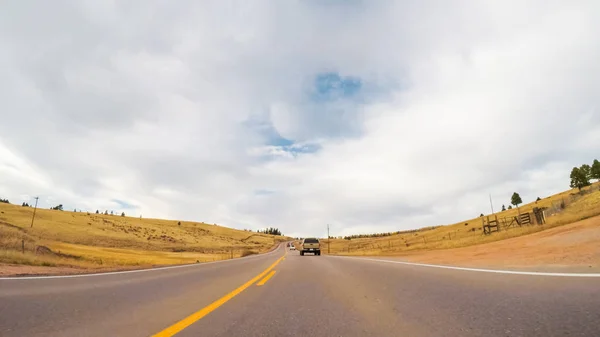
[331, 86]
[122, 204]
[262, 192]
[265, 128]
[274, 139]
[302, 148]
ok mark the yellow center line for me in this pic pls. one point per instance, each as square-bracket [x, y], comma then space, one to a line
[264, 280]
[191, 319]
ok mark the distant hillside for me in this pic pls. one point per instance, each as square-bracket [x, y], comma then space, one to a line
[60, 238]
[562, 208]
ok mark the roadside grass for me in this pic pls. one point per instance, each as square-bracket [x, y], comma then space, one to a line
[135, 257]
[579, 206]
[79, 239]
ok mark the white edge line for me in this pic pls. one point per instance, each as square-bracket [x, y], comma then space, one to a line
[133, 271]
[493, 271]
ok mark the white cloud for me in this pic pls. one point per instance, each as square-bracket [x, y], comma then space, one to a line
[148, 103]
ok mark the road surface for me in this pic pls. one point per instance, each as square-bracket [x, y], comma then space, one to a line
[305, 296]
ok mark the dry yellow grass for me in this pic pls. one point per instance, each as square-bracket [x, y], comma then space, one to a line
[97, 241]
[469, 233]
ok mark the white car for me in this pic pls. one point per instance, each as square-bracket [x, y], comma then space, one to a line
[292, 247]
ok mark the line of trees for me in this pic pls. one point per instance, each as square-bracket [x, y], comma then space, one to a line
[372, 235]
[504, 207]
[4, 201]
[270, 230]
[379, 235]
[106, 212]
[581, 176]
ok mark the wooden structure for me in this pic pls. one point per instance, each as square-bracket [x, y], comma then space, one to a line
[540, 216]
[509, 222]
[525, 219]
[490, 225]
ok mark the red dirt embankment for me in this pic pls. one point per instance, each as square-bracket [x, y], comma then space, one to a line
[573, 247]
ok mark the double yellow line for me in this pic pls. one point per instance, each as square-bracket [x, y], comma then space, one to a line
[191, 319]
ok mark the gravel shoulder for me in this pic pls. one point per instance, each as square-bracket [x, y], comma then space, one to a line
[26, 270]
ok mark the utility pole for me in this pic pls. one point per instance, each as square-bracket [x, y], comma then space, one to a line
[328, 240]
[34, 208]
[491, 205]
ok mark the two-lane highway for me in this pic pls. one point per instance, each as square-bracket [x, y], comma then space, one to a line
[120, 304]
[282, 294]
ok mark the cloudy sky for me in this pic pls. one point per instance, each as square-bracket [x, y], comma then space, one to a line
[367, 115]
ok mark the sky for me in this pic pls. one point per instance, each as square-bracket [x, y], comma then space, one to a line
[370, 116]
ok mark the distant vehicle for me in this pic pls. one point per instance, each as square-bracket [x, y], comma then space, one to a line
[310, 245]
[292, 247]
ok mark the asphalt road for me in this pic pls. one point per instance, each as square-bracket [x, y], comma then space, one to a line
[306, 296]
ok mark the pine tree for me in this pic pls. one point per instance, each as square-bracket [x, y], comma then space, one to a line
[580, 178]
[516, 199]
[595, 170]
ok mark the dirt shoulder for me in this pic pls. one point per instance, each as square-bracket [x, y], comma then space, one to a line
[569, 248]
[17, 270]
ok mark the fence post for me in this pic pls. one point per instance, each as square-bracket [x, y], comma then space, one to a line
[23, 245]
[544, 216]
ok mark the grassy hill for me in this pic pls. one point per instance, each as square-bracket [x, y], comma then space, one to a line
[97, 241]
[562, 208]
[60, 238]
